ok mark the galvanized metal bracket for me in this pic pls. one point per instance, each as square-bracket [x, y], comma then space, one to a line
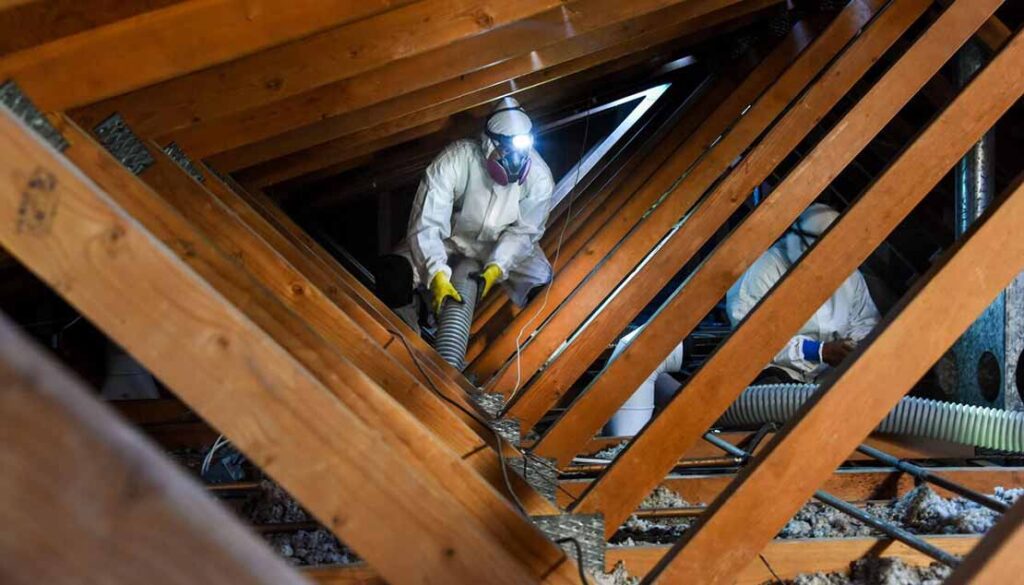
[584, 530]
[540, 473]
[178, 155]
[508, 429]
[22, 107]
[491, 403]
[120, 141]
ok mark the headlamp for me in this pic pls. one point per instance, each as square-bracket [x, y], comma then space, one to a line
[522, 141]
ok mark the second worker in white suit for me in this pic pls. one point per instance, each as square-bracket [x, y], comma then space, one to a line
[823, 342]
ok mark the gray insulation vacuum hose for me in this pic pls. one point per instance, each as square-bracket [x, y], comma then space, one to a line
[958, 423]
[457, 318]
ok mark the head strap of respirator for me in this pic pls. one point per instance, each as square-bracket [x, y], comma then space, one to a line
[509, 162]
[806, 237]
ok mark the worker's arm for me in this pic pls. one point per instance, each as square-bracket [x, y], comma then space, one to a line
[801, 353]
[430, 222]
[516, 242]
[864, 314]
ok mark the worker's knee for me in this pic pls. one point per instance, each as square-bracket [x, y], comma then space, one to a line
[394, 280]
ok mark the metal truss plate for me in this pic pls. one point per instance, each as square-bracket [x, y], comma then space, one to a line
[508, 428]
[540, 473]
[490, 403]
[121, 142]
[178, 155]
[586, 529]
[22, 107]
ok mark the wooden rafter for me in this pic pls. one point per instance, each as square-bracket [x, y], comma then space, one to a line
[624, 30]
[238, 378]
[948, 300]
[342, 287]
[600, 244]
[291, 309]
[684, 194]
[814, 173]
[155, 46]
[737, 362]
[701, 224]
[27, 23]
[709, 117]
[651, 140]
[340, 53]
[132, 515]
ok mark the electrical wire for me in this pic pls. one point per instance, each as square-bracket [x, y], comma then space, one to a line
[220, 442]
[499, 440]
[770, 569]
[579, 556]
[500, 444]
[558, 250]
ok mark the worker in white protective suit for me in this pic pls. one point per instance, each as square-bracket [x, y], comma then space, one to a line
[487, 199]
[823, 342]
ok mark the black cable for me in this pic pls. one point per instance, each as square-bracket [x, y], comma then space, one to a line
[770, 569]
[579, 556]
[473, 415]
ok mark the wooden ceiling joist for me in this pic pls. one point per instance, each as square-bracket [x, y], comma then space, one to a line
[168, 43]
[996, 559]
[237, 377]
[637, 243]
[787, 559]
[783, 559]
[629, 28]
[853, 485]
[132, 516]
[848, 243]
[711, 281]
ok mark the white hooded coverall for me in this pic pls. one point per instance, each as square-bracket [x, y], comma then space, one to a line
[848, 314]
[459, 210]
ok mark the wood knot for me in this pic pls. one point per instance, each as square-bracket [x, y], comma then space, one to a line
[482, 19]
[188, 249]
[274, 84]
[297, 289]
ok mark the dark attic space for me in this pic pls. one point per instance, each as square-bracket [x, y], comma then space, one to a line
[574, 292]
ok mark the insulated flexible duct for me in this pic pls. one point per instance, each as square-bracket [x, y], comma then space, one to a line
[959, 423]
[457, 318]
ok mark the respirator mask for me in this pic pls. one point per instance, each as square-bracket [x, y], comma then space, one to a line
[509, 161]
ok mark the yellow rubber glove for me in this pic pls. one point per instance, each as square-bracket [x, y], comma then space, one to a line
[488, 277]
[442, 288]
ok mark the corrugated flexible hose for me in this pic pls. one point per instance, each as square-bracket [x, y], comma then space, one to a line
[457, 318]
[978, 426]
